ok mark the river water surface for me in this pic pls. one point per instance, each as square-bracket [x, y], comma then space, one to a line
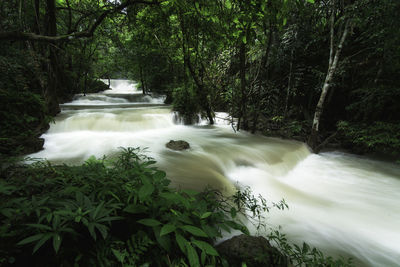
[343, 204]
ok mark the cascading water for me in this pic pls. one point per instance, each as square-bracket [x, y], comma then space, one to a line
[343, 204]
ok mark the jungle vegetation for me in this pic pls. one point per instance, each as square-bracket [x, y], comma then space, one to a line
[315, 70]
[321, 71]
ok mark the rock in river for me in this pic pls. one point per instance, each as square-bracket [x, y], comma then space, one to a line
[178, 145]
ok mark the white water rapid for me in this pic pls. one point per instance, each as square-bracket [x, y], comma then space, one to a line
[343, 204]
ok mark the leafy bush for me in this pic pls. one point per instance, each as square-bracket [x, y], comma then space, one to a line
[376, 137]
[117, 212]
[185, 103]
[104, 213]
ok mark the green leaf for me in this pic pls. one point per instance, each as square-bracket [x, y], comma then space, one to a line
[182, 242]
[40, 226]
[233, 212]
[149, 222]
[311, 1]
[120, 257]
[56, 242]
[30, 239]
[102, 229]
[211, 231]
[189, 192]
[194, 230]
[164, 240]
[97, 210]
[244, 39]
[205, 215]
[135, 209]
[203, 257]
[145, 191]
[90, 227]
[192, 256]
[166, 229]
[43, 240]
[159, 175]
[210, 250]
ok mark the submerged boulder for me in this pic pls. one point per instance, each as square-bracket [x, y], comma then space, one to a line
[178, 145]
[255, 251]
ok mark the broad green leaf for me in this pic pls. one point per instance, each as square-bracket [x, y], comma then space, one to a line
[120, 257]
[194, 230]
[149, 222]
[56, 242]
[90, 227]
[164, 240]
[203, 257]
[97, 210]
[166, 229]
[311, 1]
[244, 39]
[205, 215]
[135, 209]
[192, 256]
[211, 231]
[102, 229]
[210, 250]
[145, 191]
[182, 242]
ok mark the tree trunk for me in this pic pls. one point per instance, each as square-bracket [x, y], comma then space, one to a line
[289, 86]
[313, 139]
[243, 94]
[142, 80]
[265, 69]
[202, 92]
[51, 91]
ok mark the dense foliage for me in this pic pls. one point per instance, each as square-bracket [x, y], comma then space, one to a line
[122, 212]
[106, 213]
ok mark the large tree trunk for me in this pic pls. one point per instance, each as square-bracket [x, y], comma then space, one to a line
[313, 139]
[51, 91]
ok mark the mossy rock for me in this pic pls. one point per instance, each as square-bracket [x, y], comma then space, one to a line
[178, 145]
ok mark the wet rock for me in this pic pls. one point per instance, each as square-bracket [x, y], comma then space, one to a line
[33, 145]
[178, 145]
[255, 251]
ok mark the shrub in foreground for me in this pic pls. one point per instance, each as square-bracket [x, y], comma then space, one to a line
[114, 213]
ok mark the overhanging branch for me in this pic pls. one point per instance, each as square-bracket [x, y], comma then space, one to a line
[23, 36]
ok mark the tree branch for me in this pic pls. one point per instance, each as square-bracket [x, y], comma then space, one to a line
[23, 36]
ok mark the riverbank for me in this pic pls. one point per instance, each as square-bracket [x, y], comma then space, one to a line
[379, 141]
[24, 118]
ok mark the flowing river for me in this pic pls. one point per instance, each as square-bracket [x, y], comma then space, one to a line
[341, 203]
